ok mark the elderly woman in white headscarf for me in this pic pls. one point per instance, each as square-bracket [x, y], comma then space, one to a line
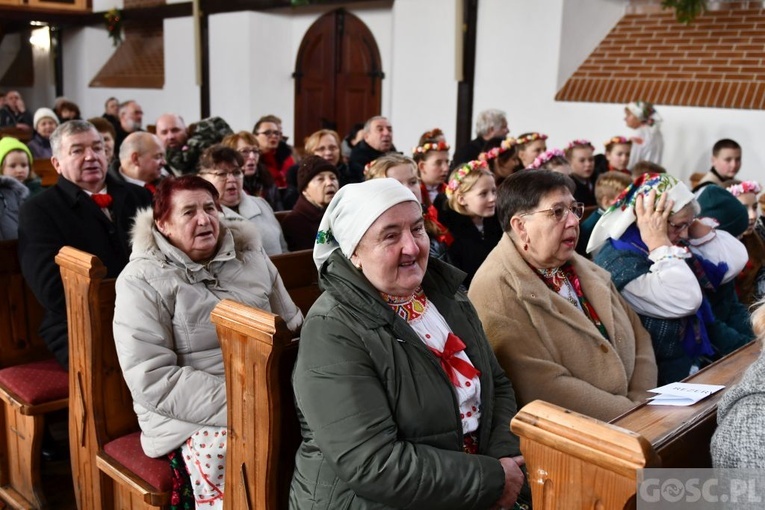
[395, 381]
[668, 264]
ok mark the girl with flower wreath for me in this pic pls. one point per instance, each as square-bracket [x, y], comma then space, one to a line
[529, 146]
[580, 154]
[648, 143]
[616, 157]
[471, 197]
[404, 170]
[501, 156]
[750, 283]
[432, 158]
[553, 160]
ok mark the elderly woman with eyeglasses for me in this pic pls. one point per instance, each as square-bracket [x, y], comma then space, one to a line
[222, 166]
[668, 265]
[557, 324]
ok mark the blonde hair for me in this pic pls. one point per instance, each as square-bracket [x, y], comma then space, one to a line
[379, 167]
[610, 184]
[464, 185]
[312, 140]
[758, 320]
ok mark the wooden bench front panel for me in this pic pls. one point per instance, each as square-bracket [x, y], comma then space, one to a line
[577, 462]
[300, 277]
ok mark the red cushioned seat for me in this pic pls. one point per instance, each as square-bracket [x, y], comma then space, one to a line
[38, 382]
[128, 452]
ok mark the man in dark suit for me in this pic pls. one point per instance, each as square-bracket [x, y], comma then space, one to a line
[86, 209]
[378, 141]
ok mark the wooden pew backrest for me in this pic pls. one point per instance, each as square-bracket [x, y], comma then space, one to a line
[259, 353]
[100, 404]
[580, 461]
[20, 313]
[45, 171]
[300, 277]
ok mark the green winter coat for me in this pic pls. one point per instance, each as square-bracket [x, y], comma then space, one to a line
[379, 417]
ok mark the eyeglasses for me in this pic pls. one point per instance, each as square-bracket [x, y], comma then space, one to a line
[236, 174]
[679, 228]
[247, 152]
[270, 132]
[560, 212]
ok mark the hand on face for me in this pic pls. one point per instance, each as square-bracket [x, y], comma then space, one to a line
[652, 220]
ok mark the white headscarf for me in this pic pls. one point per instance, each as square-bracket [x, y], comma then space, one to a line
[645, 112]
[352, 211]
[621, 214]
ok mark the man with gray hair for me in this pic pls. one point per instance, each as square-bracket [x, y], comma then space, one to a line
[130, 120]
[378, 140]
[489, 124]
[87, 209]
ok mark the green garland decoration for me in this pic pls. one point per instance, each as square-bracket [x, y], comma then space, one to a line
[113, 19]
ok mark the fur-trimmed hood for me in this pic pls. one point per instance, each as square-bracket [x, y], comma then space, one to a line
[14, 186]
[148, 242]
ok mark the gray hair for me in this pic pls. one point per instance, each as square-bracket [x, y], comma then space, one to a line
[488, 120]
[69, 128]
[368, 123]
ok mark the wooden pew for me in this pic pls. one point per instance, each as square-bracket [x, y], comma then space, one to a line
[300, 277]
[263, 431]
[32, 385]
[43, 168]
[280, 215]
[579, 462]
[103, 429]
[101, 412]
[23, 135]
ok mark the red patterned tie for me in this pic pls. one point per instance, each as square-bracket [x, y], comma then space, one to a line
[451, 363]
[102, 200]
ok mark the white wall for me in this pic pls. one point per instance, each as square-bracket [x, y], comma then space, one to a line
[424, 87]
[521, 61]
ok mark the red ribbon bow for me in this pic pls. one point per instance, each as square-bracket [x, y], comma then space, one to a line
[451, 363]
[102, 200]
[443, 235]
[149, 186]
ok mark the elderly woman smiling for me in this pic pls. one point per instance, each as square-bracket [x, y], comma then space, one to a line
[558, 325]
[184, 262]
[395, 381]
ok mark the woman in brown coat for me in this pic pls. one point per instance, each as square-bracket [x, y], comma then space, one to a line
[557, 324]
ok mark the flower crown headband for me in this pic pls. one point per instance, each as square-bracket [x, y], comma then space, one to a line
[506, 144]
[531, 137]
[744, 187]
[545, 158]
[462, 172]
[579, 143]
[431, 146]
[617, 140]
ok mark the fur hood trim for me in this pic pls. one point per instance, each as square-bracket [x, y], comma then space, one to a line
[244, 233]
[9, 183]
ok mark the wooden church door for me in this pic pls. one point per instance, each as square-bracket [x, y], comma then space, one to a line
[338, 76]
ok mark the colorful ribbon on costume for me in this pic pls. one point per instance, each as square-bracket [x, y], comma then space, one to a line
[451, 363]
